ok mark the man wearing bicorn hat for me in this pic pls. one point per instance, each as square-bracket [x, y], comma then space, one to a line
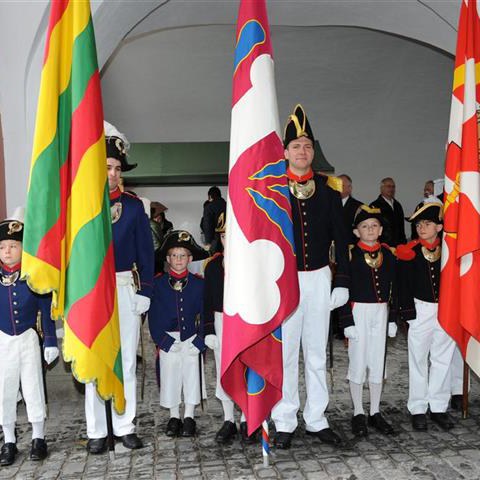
[318, 221]
[134, 260]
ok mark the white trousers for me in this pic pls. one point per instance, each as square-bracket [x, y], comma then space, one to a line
[456, 373]
[368, 350]
[180, 371]
[219, 391]
[21, 359]
[308, 325]
[129, 336]
[426, 337]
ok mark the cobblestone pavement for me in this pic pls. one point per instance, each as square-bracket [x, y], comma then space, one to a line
[407, 455]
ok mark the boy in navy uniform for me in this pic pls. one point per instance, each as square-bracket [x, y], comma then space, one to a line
[419, 284]
[177, 328]
[317, 221]
[19, 346]
[366, 318]
[134, 264]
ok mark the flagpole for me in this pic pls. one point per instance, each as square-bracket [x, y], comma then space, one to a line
[466, 373]
[265, 444]
[110, 439]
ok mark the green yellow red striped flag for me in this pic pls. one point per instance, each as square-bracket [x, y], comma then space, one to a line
[67, 242]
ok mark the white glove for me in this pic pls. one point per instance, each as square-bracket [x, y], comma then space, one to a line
[175, 347]
[50, 354]
[141, 304]
[338, 297]
[193, 350]
[351, 332]
[392, 329]
[211, 341]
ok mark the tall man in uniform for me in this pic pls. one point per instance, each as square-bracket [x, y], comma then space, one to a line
[134, 261]
[318, 220]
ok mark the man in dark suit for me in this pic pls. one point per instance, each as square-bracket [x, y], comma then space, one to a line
[392, 213]
[350, 205]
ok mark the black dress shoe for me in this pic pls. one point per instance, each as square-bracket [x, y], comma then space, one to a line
[131, 441]
[456, 402]
[283, 440]
[97, 445]
[38, 451]
[174, 427]
[380, 424]
[442, 419]
[244, 434]
[189, 427]
[419, 422]
[7, 454]
[359, 425]
[326, 435]
[226, 433]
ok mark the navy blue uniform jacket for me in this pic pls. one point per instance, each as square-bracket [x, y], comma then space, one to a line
[174, 311]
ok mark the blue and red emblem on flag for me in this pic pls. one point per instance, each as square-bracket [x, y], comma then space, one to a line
[261, 283]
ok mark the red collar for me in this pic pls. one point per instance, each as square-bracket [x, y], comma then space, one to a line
[15, 267]
[432, 245]
[177, 275]
[369, 248]
[301, 178]
[115, 194]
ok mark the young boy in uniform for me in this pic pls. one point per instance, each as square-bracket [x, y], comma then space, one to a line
[19, 346]
[419, 285]
[177, 328]
[213, 308]
[367, 318]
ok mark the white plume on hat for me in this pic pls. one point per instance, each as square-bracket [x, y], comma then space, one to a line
[18, 214]
[111, 131]
[433, 200]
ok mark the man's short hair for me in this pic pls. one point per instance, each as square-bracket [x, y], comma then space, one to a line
[345, 176]
[385, 180]
[214, 192]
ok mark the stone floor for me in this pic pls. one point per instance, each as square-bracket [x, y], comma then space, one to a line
[407, 455]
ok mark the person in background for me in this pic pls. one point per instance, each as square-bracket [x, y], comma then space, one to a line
[215, 206]
[392, 213]
[350, 205]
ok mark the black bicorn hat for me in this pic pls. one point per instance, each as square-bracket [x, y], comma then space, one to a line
[428, 210]
[117, 149]
[297, 126]
[364, 212]
[11, 230]
[182, 239]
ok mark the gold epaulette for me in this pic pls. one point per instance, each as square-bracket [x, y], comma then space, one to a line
[335, 183]
[392, 249]
[209, 259]
[351, 246]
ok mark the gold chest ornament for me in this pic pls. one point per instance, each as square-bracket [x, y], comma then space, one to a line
[178, 285]
[302, 191]
[116, 212]
[432, 255]
[373, 259]
[7, 280]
